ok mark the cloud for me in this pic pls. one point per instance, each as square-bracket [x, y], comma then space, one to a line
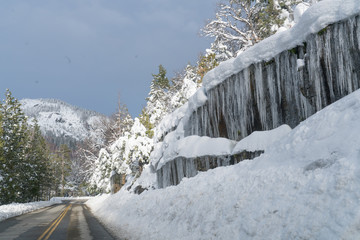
[101, 38]
[85, 18]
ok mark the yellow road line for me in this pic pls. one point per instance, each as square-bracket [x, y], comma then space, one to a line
[54, 225]
[47, 230]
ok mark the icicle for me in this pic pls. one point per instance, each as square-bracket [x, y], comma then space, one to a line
[272, 92]
[259, 89]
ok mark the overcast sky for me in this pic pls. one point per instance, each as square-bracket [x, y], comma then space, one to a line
[86, 52]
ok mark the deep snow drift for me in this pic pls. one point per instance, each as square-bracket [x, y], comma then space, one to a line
[306, 186]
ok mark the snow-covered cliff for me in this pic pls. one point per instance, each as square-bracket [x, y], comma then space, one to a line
[282, 80]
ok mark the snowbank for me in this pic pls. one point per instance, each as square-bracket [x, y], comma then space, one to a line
[16, 209]
[261, 140]
[59, 199]
[306, 186]
[196, 146]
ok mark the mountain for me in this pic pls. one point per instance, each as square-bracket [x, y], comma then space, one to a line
[60, 122]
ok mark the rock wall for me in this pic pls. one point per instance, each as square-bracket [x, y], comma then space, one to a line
[286, 89]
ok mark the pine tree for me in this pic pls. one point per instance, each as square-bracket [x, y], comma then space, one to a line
[13, 137]
[160, 80]
[205, 64]
[38, 175]
[145, 121]
[159, 96]
[2, 160]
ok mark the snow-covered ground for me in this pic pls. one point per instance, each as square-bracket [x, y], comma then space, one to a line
[305, 186]
[16, 209]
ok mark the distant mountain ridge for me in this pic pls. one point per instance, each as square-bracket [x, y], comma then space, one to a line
[60, 122]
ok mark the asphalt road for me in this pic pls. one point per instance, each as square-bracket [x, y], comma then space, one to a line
[70, 220]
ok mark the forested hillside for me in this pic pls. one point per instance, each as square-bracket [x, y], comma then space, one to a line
[62, 123]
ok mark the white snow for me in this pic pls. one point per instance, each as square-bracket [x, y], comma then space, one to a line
[261, 140]
[306, 186]
[16, 209]
[299, 11]
[170, 121]
[300, 63]
[195, 146]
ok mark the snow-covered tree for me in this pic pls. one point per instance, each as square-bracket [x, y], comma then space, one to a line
[24, 167]
[119, 123]
[184, 85]
[125, 156]
[38, 178]
[158, 98]
[206, 63]
[239, 24]
[14, 136]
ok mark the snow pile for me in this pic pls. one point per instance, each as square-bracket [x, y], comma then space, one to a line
[299, 11]
[306, 186]
[196, 146]
[170, 121]
[261, 140]
[16, 209]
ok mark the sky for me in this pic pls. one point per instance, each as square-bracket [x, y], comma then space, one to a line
[89, 52]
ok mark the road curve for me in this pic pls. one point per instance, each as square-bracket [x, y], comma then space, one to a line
[70, 220]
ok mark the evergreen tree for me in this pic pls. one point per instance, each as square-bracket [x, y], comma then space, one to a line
[38, 175]
[2, 160]
[13, 166]
[205, 64]
[160, 80]
[24, 162]
[159, 96]
[145, 121]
